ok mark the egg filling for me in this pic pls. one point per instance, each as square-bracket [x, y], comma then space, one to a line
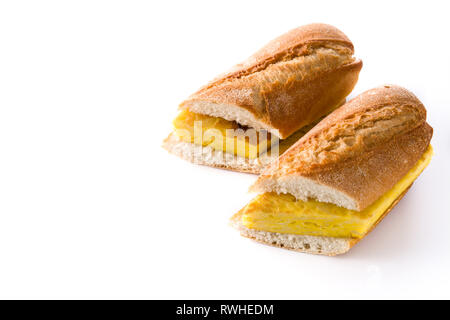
[283, 213]
[221, 134]
[230, 137]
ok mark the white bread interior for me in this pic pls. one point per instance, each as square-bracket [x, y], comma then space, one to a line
[303, 188]
[205, 155]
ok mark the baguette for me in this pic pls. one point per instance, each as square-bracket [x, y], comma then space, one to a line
[292, 81]
[285, 87]
[361, 159]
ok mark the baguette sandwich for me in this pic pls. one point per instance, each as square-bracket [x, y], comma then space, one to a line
[335, 184]
[244, 119]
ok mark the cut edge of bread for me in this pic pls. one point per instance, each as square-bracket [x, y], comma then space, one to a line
[329, 246]
[207, 156]
[303, 188]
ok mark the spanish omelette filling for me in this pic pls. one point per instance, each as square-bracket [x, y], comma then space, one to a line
[283, 213]
[229, 136]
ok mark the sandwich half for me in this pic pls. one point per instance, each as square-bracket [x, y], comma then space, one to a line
[335, 184]
[245, 118]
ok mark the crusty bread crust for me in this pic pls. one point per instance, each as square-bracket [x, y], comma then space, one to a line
[291, 82]
[209, 157]
[286, 47]
[328, 246]
[359, 151]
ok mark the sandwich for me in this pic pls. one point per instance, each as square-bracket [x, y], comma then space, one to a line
[335, 184]
[245, 118]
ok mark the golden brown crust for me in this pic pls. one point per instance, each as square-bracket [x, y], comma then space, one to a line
[363, 148]
[291, 82]
[294, 43]
[368, 176]
[297, 103]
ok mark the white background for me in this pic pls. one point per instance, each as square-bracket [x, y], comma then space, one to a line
[92, 207]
